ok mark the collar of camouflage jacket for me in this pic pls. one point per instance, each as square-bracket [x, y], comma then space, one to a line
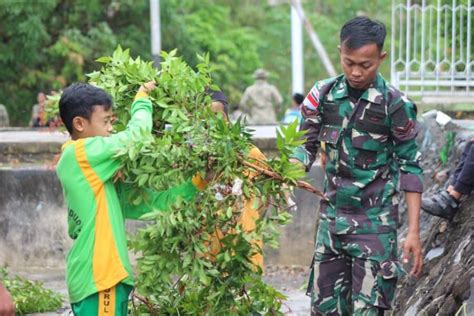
[373, 94]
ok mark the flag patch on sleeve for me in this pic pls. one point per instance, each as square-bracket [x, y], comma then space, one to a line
[311, 102]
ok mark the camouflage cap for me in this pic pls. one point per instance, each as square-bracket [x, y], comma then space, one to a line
[260, 74]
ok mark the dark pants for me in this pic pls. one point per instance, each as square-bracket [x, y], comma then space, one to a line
[463, 178]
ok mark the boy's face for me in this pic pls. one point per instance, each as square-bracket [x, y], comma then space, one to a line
[360, 66]
[99, 124]
[218, 107]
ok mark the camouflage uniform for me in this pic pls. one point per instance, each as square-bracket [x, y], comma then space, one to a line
[259, 99]
[371, 149]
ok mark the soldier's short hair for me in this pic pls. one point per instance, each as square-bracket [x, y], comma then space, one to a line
[361, 31]
[79, 99]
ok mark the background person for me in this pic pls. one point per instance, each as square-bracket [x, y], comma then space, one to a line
[261, 101]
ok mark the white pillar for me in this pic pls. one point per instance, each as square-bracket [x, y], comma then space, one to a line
[155, 31]
[297, 71]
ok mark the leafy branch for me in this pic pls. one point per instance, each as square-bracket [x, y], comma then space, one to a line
[30, 296]
[198, 257]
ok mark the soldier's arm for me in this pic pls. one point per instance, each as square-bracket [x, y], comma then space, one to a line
[404, 132]
[412, 243]
[306, 153]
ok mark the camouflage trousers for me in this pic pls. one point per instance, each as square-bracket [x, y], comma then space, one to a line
[353, 274]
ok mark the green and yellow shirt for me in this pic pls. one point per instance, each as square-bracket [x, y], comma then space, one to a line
[98, 207]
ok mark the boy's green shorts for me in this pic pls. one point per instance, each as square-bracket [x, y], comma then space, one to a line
[111, 302]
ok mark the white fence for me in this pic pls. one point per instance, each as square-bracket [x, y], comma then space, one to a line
[431, 50]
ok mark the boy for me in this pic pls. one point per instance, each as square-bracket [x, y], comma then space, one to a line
[98, 272]
[250, 214]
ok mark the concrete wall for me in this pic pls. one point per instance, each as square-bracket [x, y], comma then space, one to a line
[33, 230]
[297, 238]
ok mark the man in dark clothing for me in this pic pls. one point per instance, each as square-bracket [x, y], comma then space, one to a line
[446, 202]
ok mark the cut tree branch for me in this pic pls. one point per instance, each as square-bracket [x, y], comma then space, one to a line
[300, 184]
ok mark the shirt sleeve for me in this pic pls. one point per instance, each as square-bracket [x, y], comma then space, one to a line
[404, 131]
[153, 200]
[310, 110]
[101, 151]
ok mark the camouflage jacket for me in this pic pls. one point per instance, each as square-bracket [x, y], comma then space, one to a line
[260, 102]
[371, 153]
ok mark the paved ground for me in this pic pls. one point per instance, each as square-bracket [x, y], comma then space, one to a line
[290, 280]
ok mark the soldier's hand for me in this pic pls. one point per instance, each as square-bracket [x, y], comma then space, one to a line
[297, 162]
[413, 246]
[7, 308]
[288, 192]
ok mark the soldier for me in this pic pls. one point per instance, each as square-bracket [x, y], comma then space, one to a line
[366, 129]
[260, 99]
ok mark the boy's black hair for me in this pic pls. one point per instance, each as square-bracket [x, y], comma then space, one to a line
[298, 98]
[79, 99]
[361, 31]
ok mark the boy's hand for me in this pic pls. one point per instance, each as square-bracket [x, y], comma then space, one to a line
[146, 88]
[119, 176]
[201, 183]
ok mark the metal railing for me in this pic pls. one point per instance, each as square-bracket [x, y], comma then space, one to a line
[431, 50]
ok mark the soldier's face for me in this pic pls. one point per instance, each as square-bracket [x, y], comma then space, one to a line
[360, 66]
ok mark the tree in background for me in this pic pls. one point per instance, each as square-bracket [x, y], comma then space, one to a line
[49, 44]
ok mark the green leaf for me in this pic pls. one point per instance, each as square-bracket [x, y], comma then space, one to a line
[104, 60]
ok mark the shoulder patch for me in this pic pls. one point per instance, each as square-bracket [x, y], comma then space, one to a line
[311, 102]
